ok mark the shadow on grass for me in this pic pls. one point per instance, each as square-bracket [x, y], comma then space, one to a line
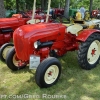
[26, 69]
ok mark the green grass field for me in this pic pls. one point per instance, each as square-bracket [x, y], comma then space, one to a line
[74, 83]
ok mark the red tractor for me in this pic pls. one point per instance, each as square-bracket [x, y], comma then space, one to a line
[56, 12]
[96, 14]
[8, 25]
[39, 44]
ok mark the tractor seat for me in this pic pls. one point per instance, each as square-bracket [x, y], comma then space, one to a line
[84, 26]
[79, 21]
[74, 28]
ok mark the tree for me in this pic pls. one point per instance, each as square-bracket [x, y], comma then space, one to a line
[66, 10]
[17, 5]
[90, 7]
[44, 4]
[2, 9]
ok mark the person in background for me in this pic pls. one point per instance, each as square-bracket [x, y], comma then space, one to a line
[82, 10]
[51, 11]
[78, 15]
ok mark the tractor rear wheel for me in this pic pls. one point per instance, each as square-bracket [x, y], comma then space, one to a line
[48, 72]
[13, 62]
[4, 50]
[89, 52]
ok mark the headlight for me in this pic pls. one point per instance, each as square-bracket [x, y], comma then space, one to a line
[37, 44]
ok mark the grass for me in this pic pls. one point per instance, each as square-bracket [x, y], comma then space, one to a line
[74, 83]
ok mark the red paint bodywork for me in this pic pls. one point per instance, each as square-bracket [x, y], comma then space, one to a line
[14, 22]
[25, 36]
[95, 12]
[83, 35]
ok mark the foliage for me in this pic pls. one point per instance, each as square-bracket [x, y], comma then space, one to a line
[23, 4]
[79, 3]
[58, 3]
[11, 4]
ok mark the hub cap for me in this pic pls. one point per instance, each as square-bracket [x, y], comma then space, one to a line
[51, 74]
[15, 60]
[93, 52]
[5, 51]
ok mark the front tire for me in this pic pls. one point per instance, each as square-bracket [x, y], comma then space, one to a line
[13, 62]
[89, 52]
[4, 50]
[48, 72]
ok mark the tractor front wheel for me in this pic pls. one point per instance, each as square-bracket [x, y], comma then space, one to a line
[48, 72]
[89, 52]
[4, 50]
[13, 62]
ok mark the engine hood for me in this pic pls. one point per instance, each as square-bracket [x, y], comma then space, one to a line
[8, 21]
[37, 31]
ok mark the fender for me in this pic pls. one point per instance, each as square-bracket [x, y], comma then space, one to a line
[84, 34]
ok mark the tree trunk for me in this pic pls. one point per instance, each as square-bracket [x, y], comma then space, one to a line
[28, 5]
[60, 4]
[90, 7]
[2, 9]
[44, 4]
[17, 6]
[66, 10]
